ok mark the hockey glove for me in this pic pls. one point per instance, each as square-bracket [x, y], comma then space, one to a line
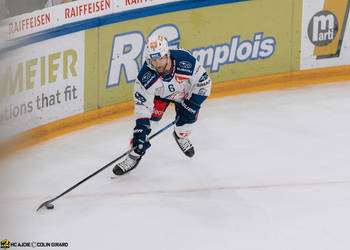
[139, 140]
[187, 112]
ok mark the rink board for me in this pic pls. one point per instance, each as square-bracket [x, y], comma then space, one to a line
[325, 34]
[42, 83]
[263, 45]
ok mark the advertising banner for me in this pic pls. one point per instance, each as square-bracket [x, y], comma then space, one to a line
[68, 13]
[325, 32]
[41, 83]
[232, 41]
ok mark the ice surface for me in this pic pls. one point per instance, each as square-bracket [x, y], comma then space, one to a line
[271, 171]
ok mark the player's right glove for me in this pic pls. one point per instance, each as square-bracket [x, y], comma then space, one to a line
[139, 139]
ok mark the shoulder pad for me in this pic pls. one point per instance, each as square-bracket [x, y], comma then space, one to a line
[147, 77]
[184, 61]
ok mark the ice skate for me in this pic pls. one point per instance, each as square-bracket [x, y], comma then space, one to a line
[184, 144]
[127, 165]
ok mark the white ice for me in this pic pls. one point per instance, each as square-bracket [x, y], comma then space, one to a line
[271, 172]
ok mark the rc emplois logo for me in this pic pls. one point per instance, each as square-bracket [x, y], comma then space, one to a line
[326, 28]
[127, 49]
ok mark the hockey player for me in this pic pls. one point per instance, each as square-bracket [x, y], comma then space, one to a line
[166, 76]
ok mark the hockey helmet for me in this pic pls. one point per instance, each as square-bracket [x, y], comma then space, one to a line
[156, 47]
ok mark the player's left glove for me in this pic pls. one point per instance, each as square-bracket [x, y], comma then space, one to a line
[140, 138]
[187, 112]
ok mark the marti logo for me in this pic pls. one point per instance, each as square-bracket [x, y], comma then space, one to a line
[327, 27]
[127, 52]
[323, 28]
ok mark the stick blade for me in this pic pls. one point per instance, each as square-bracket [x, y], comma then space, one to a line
[43, 205]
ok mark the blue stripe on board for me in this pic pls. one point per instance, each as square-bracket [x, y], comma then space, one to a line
[113, 18]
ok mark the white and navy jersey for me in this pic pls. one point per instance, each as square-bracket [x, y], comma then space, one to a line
[186, 77]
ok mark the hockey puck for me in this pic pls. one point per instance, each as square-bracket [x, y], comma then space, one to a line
[50, 206]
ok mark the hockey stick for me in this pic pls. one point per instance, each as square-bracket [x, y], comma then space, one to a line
[48, 204]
